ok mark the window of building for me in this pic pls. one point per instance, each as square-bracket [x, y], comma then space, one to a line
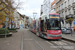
[65, 12]
[62, 6]
[69, 11]
[54, 9]
[62, 14]
[4, 0]
[73, 8]
[59, 14]
[65, 4]
[21, 22]
[73, 0]
[53, 5]
[74, 12]
[59, 7]
[69, 2]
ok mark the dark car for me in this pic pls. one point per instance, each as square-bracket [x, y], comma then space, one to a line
[66, 30]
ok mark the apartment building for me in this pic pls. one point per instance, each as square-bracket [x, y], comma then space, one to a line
[66, 9]
[46, 7]
[16, 19]
[5, 9]
[27, 21]
[53, 7]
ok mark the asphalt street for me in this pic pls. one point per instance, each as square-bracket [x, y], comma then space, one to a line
[33, 42]
[26, 40]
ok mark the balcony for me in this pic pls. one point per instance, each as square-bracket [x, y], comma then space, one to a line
[73, 16]
[73, 4]
[58, 1]
[59, 11]
[65, 9]
[62, 9]
[69, 6]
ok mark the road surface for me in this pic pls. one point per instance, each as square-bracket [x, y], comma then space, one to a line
[32, 42]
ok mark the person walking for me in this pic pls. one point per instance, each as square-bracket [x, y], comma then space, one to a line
[4, 26]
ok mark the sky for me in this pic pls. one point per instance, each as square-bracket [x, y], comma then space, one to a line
[27, 7]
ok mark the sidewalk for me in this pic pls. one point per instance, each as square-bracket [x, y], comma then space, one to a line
[11, 43]
[69, 36]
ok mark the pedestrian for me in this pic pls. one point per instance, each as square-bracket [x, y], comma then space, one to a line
[8, 27]
[4, 26]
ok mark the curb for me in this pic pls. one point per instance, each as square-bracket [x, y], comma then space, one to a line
[68, 39]
[13, 31]
[3, 35]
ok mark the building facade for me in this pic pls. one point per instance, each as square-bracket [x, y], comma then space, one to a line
[7, 11]
[16, 19]
[46, 7]
[66, 8]
[19, 20]
[27, 22]
[53, 7]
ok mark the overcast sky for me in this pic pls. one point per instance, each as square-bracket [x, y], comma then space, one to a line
[30, 6]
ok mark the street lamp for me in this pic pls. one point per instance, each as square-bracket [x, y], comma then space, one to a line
[7, 19]
[34, 15]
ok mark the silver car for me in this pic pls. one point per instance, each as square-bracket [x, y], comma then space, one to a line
[66, 31]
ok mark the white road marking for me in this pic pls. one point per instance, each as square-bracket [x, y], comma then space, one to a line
[59, 43]
[22, 42]
[26, 29]
[28, 39]
[7, 43]
[37, 43]
[49, 43]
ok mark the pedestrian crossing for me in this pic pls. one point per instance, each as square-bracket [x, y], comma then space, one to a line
[57, 43]
[60, 45]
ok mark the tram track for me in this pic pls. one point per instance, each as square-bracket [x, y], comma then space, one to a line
[37, 43]
[60, 47]
[22, 41]
[68, 40]
[51, 43]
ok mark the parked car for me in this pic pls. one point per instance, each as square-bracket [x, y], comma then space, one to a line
[17, 27]
[66, 30]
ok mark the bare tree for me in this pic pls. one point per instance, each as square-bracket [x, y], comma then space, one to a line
[9, 5]
[69, 21]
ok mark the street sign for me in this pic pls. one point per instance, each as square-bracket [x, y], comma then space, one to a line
[7, 19]
[12, 21]
[21, 25]
[74, 22]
